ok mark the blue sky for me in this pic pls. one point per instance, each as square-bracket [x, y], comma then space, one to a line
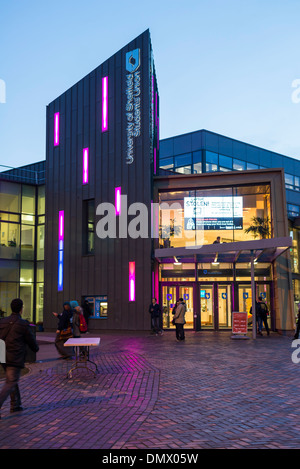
[224, 66]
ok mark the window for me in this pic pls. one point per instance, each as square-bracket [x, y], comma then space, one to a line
[293, 210]
[289, 181]
[167, 163]
[225, 161]
[211, 162]
[88, 226]
[239, 165]
[252, 166]
[197, 162]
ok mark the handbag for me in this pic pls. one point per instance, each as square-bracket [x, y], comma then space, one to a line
[66, 333]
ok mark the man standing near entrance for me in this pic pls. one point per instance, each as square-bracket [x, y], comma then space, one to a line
[262, 315]
[16, 334]
[155, 311]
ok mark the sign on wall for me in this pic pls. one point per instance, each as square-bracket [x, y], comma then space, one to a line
[133, 102]
[213, 213]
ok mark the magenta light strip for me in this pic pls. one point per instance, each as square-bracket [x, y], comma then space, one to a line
[118, 200]
[61, 220]
[56, 129]
[61, 235]
[131, 281]
[85, 166]
[104, 104]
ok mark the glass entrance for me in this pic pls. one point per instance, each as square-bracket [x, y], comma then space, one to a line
[171, 294]
[224, 306]
[169, 298]
[187, 294]
[245, 299]
[207, 306]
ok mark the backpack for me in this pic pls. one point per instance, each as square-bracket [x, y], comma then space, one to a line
[82, 323]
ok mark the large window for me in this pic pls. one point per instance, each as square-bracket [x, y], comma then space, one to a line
[21, 244]
[88, 226]
[196, 217]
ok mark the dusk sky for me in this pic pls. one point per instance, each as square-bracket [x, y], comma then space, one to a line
[230, 67]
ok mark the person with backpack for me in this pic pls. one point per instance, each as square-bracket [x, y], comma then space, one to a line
[79, 324]
[262, 315]
[17, 335]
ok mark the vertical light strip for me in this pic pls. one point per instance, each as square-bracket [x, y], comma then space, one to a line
[104, 104]
[131, 281]
[118, 200]
[85, 166]
[61, 236]
[154, 160]
[56, 129]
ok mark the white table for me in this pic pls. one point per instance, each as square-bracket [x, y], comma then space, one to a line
[82, 357]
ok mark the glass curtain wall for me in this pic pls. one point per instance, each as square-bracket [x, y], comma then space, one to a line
[22, 247]
[203, 216]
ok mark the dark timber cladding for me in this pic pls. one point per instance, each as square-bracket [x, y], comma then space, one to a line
[106, 272]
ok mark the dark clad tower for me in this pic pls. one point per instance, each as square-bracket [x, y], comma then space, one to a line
[102, 142]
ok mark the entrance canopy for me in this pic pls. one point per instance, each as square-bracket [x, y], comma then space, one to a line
[262, 250]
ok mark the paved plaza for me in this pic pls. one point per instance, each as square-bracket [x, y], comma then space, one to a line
[152, 392]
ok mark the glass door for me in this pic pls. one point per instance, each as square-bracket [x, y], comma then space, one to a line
[263, 291]
[186, 293]
[224, 306]
[169, 298]
[245, 301]
[207, 306]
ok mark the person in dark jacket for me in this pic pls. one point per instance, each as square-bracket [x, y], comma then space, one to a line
[87, 311]
[154, 310]
[17, 335]
[64, 322]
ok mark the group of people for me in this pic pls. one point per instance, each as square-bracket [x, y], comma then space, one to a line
[72, 322]
[178, 320]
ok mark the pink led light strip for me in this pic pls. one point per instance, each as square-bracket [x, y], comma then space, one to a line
[131, 281]
[104, 104]
[85, 166]
[118, 200]
[56, 129]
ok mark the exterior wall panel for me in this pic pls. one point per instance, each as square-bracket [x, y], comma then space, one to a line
[105, 272]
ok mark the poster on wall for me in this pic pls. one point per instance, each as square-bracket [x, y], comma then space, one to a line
[213, 213]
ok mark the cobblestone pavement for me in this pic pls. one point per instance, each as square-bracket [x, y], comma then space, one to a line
[152, 392]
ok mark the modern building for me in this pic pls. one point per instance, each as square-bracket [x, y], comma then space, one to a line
[116, 216]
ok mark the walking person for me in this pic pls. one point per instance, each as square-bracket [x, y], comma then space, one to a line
[262, 315]
[179, 319]
[17, 335]
[155, 311]
[64, 330]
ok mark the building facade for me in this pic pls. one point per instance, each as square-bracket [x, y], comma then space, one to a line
[116, 216]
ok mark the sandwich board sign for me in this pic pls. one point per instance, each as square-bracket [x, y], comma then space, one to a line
[239, 325]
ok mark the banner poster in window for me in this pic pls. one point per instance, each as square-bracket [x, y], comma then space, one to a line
[213, 213]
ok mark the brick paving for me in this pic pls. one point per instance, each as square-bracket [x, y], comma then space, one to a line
[152, 392]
